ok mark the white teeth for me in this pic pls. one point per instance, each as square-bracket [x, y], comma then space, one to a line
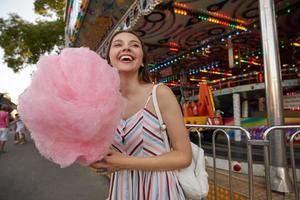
[126, 58]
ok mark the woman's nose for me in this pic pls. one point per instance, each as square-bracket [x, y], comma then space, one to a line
[126, 48]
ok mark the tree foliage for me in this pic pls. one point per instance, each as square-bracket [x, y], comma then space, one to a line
[24, 42]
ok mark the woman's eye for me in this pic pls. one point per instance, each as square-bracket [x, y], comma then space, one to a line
[136, 45]
[117, 45]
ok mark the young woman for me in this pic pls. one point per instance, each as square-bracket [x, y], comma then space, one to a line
[4, 122]
[142, 167]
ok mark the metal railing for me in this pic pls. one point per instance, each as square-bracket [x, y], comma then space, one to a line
[223, 129]
[294, 164]
[250, 142]
[267, 160]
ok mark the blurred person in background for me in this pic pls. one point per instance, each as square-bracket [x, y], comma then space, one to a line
[20, 131]
[4, 122]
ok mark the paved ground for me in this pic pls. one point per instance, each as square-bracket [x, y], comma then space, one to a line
[26, 175]
[240, 187]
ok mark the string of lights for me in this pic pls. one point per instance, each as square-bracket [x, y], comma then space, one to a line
[206, 67]
[213, 17]
[198, 50]
[169, 78]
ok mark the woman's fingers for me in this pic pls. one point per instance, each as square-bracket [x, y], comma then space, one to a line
[107, 164]
[101, 170]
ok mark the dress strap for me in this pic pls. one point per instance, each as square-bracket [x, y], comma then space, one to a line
[147, 100]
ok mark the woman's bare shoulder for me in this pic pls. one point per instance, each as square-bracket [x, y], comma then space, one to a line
[166, 97]
[164, 91]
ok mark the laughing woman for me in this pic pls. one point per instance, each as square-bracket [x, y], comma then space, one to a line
[141, 166]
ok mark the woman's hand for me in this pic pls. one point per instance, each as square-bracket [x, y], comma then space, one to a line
[110, 163]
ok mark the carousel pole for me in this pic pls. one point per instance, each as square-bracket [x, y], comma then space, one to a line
[280, 180]
[235, 97]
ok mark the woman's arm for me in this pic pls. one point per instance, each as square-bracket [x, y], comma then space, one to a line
[179, 157]
[7, 120]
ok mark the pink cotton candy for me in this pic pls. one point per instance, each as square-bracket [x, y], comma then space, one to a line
[72, 106]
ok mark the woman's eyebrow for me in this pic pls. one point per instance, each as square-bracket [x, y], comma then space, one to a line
[117, 41]
[134, 41]
[131, 41]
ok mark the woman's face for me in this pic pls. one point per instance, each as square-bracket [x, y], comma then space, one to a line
[126, 53]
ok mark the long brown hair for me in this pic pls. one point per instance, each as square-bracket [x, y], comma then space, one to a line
[143, 72]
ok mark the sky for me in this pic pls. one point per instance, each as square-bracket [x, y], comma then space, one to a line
[10, 82]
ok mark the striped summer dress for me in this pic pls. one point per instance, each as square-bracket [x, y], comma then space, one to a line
[140, 136]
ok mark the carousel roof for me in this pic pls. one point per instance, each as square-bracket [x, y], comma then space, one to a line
[216, 41]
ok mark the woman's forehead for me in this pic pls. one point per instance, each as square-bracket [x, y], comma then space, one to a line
[125, 37]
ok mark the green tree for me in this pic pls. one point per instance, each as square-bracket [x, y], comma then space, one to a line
[24, 42]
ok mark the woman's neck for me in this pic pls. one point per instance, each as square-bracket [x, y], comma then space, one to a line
[128, 85]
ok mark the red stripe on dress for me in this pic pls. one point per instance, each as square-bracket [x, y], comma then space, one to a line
[138, 174]
[168, 185]
[139, 144]
[112, 185]
[118, 131]
[151, 133]
[131, 184]
[133, 127]
[151, 113]
[149, 186]
[114, 146]
[155, 148]
[144, 180]
[151, 152]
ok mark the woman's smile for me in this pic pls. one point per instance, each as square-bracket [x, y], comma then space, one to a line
[126, 58]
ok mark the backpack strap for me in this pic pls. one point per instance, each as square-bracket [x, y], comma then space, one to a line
[163, 128]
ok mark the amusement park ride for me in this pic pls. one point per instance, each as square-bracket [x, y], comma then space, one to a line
[217, 43]
[202, 111]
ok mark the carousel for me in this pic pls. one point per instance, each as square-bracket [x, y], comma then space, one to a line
[191, 43]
